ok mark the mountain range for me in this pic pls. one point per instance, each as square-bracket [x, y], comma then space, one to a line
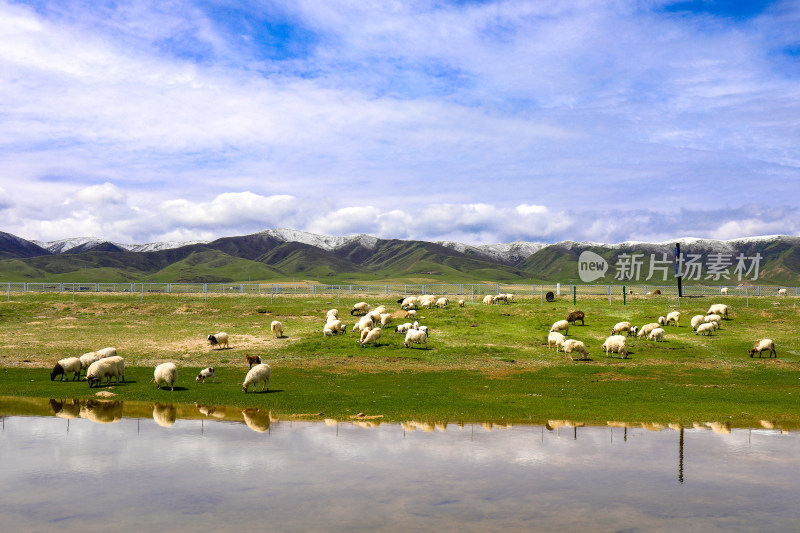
[282, 254]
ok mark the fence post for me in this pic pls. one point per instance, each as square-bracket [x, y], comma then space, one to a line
[747, 297]
[624, 295]
[574, 295]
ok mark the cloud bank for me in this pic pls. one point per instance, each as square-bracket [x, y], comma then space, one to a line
[480, 121]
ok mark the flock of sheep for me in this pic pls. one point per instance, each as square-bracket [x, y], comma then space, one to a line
[106, 364]
[654, 331]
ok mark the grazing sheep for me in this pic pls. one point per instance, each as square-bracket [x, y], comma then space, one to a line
[426, 301]
[408, 303]
[705, 329]
[335, 327]
[372, 337]
[442, 302]
[258, 374]
[109, 351]
[488, 299]
[673, 316]
[647, 328]
[219, 340]
[425, 329]
[411, 313]
[560, 325]
[764, 345]
[662, 320]
[166, 373]
[89, 358]
[723, 290]
[716, 319]
[209, 372]
[360, 308]
[252, 360]
[718, 309]
[656, 335]
[556, 339]
[500, 298]
[364, 333]
[402, 328]
[571, 345]
[634, 331]
[364, 322]
[616, 344]
[575, 316]
[461, 303]
[619, 327]
[416, 336]
[108, 367]
[385, 319]
[63, 366]
[781, 292]
[327, 332]
[697, 320]
[332, 314]
[277, 329]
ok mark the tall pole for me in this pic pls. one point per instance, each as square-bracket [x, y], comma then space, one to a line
[677, 269]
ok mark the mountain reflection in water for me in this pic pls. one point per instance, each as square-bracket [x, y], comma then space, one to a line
[98, 465]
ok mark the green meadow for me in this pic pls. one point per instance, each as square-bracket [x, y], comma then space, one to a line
[482, 364]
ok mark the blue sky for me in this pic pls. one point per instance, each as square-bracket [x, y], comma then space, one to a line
[482, 122]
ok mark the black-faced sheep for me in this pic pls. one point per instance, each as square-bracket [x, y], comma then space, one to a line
[219, 340]
[63, 366]
[764, 345]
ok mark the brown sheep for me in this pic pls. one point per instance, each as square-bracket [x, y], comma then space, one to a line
[575, 316]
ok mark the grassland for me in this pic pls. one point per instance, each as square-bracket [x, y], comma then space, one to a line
[483, 363]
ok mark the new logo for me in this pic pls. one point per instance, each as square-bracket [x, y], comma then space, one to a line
[591, 266]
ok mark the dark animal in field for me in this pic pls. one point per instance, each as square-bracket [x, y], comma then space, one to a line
[657, 291]
[575, 316]
[253, 360]
[550, 297]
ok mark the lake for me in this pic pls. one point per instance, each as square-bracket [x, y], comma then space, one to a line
[89, 468]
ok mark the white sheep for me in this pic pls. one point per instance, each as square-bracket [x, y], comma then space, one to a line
[781, 292]
[207, 373]
[409, 302]
[257, 374]
[718, 309]
[697, 320]
[360, 308]
[336, 326]
[332, 314]
[166, 373]
[363, 322]
[560, 325]
[619, 327]
[662, 320]
[277, 329]
[715, 319]
[634, 331]
[705, 329]
[442, 302]
[219, 340]
[415, 336]
[764, 345]
[108, 367]
[411, 313]
[673, 316]
[327, 332]
[364, 333]
[372, 337]
[69, 364]
[461, 303]
[646, 329]
[402, 328]
[723, 290]
[385, 319]
[425, 329]
[571, 345]
[426, 301]
[500, 298]
[89, 358]
[107, 352]
[488, 299]
[556, 339]
[656, 335]
[616, 344]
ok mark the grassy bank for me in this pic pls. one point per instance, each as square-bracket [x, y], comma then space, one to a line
[484, 363]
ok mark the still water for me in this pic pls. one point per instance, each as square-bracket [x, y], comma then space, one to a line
[90, 469]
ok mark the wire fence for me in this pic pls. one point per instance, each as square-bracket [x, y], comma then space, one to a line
[473, 290]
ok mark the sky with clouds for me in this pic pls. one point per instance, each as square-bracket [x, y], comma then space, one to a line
[476, 121]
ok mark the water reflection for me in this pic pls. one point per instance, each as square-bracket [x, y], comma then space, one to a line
[216, 467]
